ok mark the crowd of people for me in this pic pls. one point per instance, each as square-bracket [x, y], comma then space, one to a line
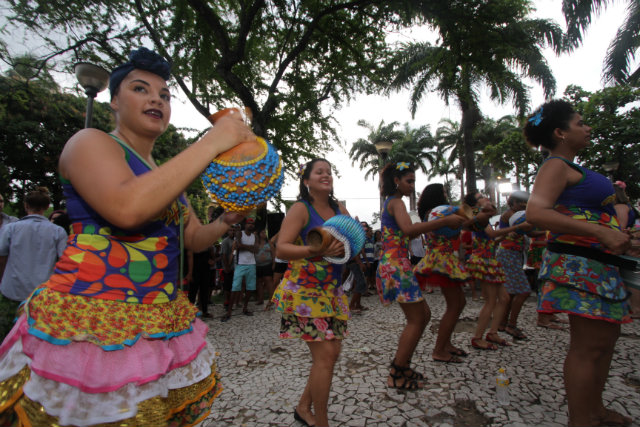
[97, 330]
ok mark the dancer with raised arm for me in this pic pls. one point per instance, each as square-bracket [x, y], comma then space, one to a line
[109, 338]
[395, 279]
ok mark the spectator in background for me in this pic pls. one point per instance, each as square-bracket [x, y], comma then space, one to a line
[264, 267]
[4, 218]
[370, 259]
[245, 268]
[226, 253]
[61, 218]
[200, 281]
[28, 250]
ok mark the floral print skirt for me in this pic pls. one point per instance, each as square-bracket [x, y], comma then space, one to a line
[395, 280]
[583, 287]
[312, 329]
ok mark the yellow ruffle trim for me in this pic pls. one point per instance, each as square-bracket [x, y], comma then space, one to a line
[185, 406]
[61, 318]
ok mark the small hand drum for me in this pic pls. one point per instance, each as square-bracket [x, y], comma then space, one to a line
[517, 219]
[343, 228]
[440, 212]
[244, 177]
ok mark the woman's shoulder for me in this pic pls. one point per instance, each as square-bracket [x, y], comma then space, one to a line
[88, 143]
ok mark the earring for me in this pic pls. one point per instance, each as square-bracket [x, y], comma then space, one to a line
[396, 186]
[308, 189]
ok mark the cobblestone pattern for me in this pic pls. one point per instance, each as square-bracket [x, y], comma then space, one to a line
[263, 375]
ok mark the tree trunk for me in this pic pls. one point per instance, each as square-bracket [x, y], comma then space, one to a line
[469, 119]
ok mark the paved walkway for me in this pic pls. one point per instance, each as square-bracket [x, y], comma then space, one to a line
[263, 376]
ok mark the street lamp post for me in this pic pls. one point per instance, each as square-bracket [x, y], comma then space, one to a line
[93, 79]
[383, 148]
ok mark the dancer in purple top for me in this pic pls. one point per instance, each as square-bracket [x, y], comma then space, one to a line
[576, 205]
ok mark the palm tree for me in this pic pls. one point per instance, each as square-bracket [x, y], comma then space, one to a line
[617, 63]
[409, 145]
[450, 152]
[492, 44]
[416, 147]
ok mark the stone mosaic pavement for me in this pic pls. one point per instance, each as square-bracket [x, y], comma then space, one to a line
[263, 376]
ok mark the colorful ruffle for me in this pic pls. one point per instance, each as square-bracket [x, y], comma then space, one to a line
[440, 260]
[555, 298]
[61, 318]
[309, 329]
[485, 269]
[309, 289]
[145, 361]
[114, 385]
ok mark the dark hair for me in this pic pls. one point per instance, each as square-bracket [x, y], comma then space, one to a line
[471, 199]
[141, 59]
[432, 196]
[552, 115]
[38, 199]
[304, 191]
[388, 174]
[61, 220]
[517, 196]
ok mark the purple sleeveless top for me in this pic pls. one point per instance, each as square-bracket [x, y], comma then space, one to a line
[592, 199]
[103, 261]
[315, 220]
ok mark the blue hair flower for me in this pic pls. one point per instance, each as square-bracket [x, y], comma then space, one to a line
[537, 118]
[402, 166]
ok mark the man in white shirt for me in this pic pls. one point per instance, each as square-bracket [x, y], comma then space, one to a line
[245, 268]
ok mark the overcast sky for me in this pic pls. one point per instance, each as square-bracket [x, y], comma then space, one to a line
[583, 67]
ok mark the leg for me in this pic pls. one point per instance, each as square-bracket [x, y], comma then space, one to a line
[269, 286]
[586, 369]
[250, 280]
[516, 307]
[499, 309]
[454, 297]
[259, 290]
[490, 295]
[417, 315]
[324, 355]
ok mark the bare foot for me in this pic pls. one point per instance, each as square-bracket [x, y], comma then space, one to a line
[613, 418]
[304, 415]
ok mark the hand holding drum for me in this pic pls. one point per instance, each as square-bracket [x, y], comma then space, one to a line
[245, 176]
[341, 228]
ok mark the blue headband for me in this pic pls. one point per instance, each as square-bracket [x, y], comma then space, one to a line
[141, 59]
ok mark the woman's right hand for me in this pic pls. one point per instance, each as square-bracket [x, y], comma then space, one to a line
[227, 132]
[335, 248]
[616, 241]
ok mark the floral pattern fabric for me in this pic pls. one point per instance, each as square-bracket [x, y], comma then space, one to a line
[440, 260]
[516, 282]
[536, 248]
[310, 288]
[482, 264]
[575, 284]
[395, 280]
[312, 329]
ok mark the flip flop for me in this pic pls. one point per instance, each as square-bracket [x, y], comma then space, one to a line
[459, 352]
[499, 341]
[452, 359]
[490, 346]
[516, 333]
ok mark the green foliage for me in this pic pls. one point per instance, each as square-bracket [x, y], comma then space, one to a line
[36, 120]
[283, 59]
[494, 44]
[613, 113]
[506, 152]
[622, 50]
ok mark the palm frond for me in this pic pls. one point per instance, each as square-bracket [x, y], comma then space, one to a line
[623, 47]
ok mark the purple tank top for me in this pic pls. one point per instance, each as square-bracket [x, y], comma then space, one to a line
[104, 261]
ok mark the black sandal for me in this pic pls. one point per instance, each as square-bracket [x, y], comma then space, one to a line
[410, 382]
